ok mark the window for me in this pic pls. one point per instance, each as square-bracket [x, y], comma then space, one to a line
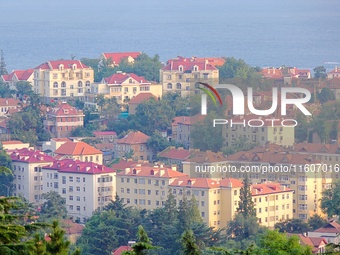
[64, 191]
[169, 86]
[78, 198]
[78, 179]
[55, 84]
[71, 207]
[78, 189]
[70, 198]
[178, 86]
[64, 180]
[78, 208]
[80, 84]
[70, 178]
[63, 85]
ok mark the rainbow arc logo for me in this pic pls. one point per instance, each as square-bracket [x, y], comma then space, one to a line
[211, 92]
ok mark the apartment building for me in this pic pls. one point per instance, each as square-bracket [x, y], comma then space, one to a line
[28, 179]
[134, 145]
[181, 74]
[86, 186]
[125, 86]
[174, 156]
[79, 151]
[287, 169]
[59, 80]
[272, 132]
[205, 164]
[335, 73]
[181, 128]
[145, 187]
[62, 119]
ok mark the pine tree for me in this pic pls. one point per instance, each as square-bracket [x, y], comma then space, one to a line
[170, 207]
[246, 205]
[143, 245]
[189, 245]
[183, 214]
[194, 212]
[3, 69]
[58, 245]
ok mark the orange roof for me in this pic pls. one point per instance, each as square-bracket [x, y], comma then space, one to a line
[149, 171]
[210, 60]
[332, 227]
[54, 64]
[77, 148]
[231, 182]
[11, 142]
[189, 120]
[175, 153]
[71, 227]
[268, 188]
[134, 138]
[117, 57]
[141, 97]
[123, 164]
[314, 242]
[205, 157]
[121, 249]
[9, 102]
[202, 183]
[119, 78]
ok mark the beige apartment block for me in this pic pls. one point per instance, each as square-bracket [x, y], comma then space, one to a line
[181, 74]
[58, 80]
[240, 129]
[287, 169]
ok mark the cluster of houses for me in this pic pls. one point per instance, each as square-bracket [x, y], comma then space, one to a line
[142, 177]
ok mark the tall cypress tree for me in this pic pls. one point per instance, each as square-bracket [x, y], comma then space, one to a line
[194, 212]
[58, 243]
[246, 206]
[170, 207]
[3, 69]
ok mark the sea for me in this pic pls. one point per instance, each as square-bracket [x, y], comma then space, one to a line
[301, 33]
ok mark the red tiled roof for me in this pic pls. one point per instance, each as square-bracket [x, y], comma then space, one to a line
[119, 78]
[268, 188]
[9, 102]
[314, 242]
[316, 148]
[210, 60]
[64, 109]
[188, 65]
[123, 164]
[71, 227]
[156, 171]
[186, 181]
[104, 146]
[231, 182]
[189, 120]
[141, 97]
[335, 71]
[30, 156]
[104, 133]
[332, 227]
[77, 148]
[272, 72]
[54, 64]
[175, 153]
[134, 138]
[119, 56]
[23, 75]
[6, 77]
[205, 157]
[80, 167]
[121, 249]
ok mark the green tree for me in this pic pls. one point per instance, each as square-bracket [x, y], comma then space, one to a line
[246, 206]
[157, 143]
[6, 174]
[101, 101]
[326, 95]
[24, 89]
[292, 226]
[188, 241]
[320, 72]
[39, 245]
[316, 221]
[236, 68]
[170, 207]
[3, 69]
[57, 245]
[206, 137]
[241, 228]
[144, 244]
[330, 201]
[273, 243]
[194, 212]
[54, 207]
[5, 91]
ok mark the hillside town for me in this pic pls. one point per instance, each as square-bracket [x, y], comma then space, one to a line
[126, 129]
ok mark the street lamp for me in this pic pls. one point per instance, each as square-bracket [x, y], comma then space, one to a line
[7, 189]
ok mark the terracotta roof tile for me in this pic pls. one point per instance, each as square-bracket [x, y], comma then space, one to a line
[175, 153]
[117, 57]
[197, 156]
[141, 97]
[76, 148]
[9, 102]
[156, 171]
[203, 183]
[134, 138]
[188, 64]
[119, 78]
[268, 188]
[64, 109]
[54, 64]
[121, 249]
[30, 156]
[332, 227]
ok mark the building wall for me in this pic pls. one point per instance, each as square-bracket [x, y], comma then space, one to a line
[140, 151]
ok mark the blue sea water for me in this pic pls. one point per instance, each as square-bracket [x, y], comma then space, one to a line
[302, 33]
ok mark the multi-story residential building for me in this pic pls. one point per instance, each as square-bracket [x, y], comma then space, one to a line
[181, 74]
[79, 151]
[205, 164]
[125, 86]
[269, 164]
[105, 136]
[27, 165]
[334, 73]
[90, 99]
[117, 57]
[62, 119]
[271, 132]
[182, 128]
[145, 187]
[58, 80]
[16, 76]
[14, 145]
[9, 105]
[133, 145]
[86, 186]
